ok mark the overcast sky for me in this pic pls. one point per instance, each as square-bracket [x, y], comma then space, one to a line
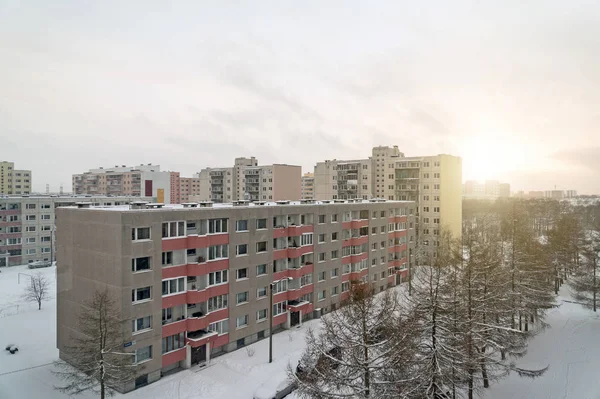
[513, 88]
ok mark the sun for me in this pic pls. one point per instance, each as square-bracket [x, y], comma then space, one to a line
[490, 156]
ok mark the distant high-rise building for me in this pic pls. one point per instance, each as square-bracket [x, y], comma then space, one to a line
[190, 189]
[433, 182]
[490, 189]
[570, 193]
[142, 180]
[504, 190]
[14, 181]
[248, 180]
[308, 186]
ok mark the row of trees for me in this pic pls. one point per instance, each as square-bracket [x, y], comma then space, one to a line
[470, 313]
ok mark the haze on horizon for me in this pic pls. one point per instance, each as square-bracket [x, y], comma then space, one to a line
[512, 88]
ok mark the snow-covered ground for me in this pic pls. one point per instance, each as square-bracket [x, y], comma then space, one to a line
[570, 348]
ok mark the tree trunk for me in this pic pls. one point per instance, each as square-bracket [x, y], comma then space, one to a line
[484, 375]
[39, 304]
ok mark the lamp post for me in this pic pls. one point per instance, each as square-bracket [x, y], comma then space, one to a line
[271, 316]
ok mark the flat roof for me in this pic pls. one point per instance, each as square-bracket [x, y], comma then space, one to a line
[249, 205]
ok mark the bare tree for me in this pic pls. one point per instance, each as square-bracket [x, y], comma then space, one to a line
[585, 283]
[365, 350]
[38, 289]
[95, 362]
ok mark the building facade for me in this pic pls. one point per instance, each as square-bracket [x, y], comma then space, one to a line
[27, 225]
[308, 186]
[490, 189]
[14, 181]
[141, 181]
[337, 179]
[200, 275]
[247, 180]
[189, 188]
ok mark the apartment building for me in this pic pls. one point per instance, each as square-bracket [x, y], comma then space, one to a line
[200, 275]
[247, 180]
[143, 180]
[189, 188]
[336, 179]
[490, 189]
[307, 190]
[14, 181]
[27, 224]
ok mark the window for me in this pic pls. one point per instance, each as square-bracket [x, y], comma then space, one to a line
[261, 224]
[335, 290]
[321, 256]
[334, 218]
[45, 217]
[29, 206]
[30, 229]
[173, 342]
[334, 236]
[13, 241]
[29, 217]
[141, 294]
[425, 175]
[220, 327]
[382, 214]
[382, 229]
[45, 239]
[46, 228]
[45, 250]
[425, 209]
[261, 315]
[321, 276]
[241, 273]
[217, 302]
[346, 286]
[334, 254]
[426, 198]
[374, 214]
[241, 225]
[436, 175]
[321, 237]
[436, 197]
[321, 296]
[241, 297]
[140, 233]
[436, 208]
[261, 246]
[241, 321]
[261, 292]
[218, 252]
[173, 286]
[140, 264]
[436, 186]
[167, 258]
[173, 229]
[142, 324]
[217, 226]
[321, 219]
[306, 239]
[13, 218]
[30, 240]
[279, 308]
[261, 270]
[335, 272]
[373, 230]
[241, 249]
[143, 354]
[219, 277]
[436, 220]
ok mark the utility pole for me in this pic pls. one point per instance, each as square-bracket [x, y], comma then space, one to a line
[271, 322]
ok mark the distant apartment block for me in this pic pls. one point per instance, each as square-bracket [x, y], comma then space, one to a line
[490, 189]
[308, 186]
[27, 224]
[142, 180]
[247, 180]
[189, 189]
[434, 183]
[200, 275]
[14, 181]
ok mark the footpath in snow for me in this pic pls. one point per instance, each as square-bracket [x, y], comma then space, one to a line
[570, 346]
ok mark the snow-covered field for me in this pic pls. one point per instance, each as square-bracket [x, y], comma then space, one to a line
[570, 347]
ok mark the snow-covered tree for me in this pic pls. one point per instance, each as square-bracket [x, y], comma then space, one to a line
[38, 289]
[585, 283]
[95, 361]
[364, 350]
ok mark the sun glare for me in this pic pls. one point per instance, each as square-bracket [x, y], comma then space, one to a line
[489, 157]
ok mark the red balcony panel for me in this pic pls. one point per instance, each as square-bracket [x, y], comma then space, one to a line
[196, 296]
[216, 265]
[346, 225]
[360, 240]
[174, 271]
[295, 294]
[7, 212]
[345, 295]
[347, 243]
[216, 290]
[359, 257]
[196, 269]
[346, 260]
[281, 275]
[355, 276]
[398, 234]
[9, 224]
[280, 232]
[174, 300]
[279, 297]
[174, 244]
[305, 308]
[299, 230]
[391, 279]
[4, 236]
[297, 252]
[173, 357]
[357, 224]
[194, 343]
[280, 254]
[282, 318]
[197, 323]
[217, 239]
[220, 341]
[217, 315]
[345, 277]
[306, 269]
[174, 328]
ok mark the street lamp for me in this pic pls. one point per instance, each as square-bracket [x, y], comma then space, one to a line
[271, 316]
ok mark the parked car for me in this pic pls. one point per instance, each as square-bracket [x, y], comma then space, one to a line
[39, 264]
